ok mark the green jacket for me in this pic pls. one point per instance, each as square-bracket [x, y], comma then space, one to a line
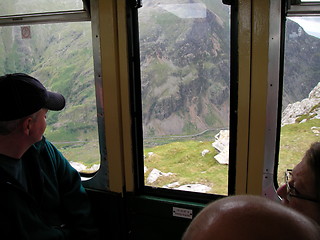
[55, 206]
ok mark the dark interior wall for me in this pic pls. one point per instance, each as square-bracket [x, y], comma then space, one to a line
[139, 217]
[109, 213]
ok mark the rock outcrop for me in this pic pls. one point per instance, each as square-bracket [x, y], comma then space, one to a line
[221, 144]
[301, 111]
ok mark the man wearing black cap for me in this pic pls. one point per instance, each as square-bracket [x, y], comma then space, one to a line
[41, 195]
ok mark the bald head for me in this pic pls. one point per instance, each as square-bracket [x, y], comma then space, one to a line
[250, 218]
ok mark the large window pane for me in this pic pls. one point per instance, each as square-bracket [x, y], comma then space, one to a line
[15, 7]
[300, 111]
[184, 51]
[60, 55]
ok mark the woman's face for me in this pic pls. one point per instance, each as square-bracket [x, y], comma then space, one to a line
[303, 181]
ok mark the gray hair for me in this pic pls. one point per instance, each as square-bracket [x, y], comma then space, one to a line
[7, 127]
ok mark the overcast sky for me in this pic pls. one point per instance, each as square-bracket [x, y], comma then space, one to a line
[310, 24]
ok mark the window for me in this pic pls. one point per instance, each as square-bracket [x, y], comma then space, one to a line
[185, 89]
[36, 6]
[300, 124]
[61, 56]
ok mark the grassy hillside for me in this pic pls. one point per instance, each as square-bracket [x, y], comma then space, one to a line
[184, 159]
[83, 152]
[60, 55]
[295, 140]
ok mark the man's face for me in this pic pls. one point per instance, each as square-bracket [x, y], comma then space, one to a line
[39, 125]
[303, 182]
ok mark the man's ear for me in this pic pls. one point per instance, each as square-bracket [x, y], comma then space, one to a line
[26, 125]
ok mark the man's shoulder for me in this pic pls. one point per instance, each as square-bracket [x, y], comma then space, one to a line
[44, 145]
[47, 154]
[41, 143]
[44, 149]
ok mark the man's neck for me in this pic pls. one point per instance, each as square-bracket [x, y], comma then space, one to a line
[13, 147]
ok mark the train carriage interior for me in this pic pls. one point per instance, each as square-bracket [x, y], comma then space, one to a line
[171, 104]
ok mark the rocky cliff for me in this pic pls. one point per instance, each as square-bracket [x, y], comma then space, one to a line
[185, 64]
[302, 60]
[301, 111]
[185, 70]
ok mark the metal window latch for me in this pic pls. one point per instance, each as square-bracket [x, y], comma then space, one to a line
[136, 3]
[227, 2]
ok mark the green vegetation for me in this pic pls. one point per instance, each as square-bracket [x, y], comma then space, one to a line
[295, 140]
[60, 56]
[176, 60]
[82, 152]
[184, 159]
[211, 119]
[188, 166]
[190, 128]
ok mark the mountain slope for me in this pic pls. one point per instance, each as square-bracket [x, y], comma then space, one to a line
[185, 64]
[185, 71]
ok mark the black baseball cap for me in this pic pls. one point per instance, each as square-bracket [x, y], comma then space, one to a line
[22, 95]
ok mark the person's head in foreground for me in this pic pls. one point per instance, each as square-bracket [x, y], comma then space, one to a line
[302, 188]
[42, 196]
[250, 218]
[24, 103]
